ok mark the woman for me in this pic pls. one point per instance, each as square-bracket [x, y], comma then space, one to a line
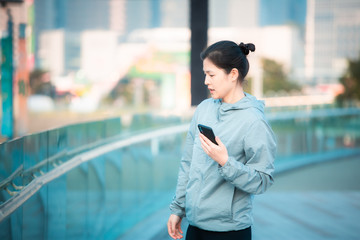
[216, 181]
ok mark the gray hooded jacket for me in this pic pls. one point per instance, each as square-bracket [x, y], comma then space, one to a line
[219, 198]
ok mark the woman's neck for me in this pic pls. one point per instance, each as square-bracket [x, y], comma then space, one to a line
[234, 95]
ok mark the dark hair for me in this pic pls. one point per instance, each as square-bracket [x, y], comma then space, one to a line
[228, 55]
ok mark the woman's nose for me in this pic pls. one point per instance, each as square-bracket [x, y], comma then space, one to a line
[206, 82]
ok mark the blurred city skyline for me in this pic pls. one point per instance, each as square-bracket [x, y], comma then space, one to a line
[87, 55]
[296, 31]
[89, 41]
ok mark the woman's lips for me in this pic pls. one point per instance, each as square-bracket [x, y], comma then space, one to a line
[211, 90]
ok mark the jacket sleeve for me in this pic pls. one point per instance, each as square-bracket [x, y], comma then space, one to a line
[255, 176]
[177, 206]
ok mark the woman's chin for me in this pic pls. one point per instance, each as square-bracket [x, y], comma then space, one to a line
[214, 95]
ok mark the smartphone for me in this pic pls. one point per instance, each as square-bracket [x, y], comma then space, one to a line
[208, 132]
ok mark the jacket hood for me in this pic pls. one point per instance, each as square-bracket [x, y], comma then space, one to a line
[246, 102]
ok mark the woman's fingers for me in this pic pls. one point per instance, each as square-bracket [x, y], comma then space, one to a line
[217, 152]
[206, 144]
[205, 139]
[178, 226]
[219, 142]
[171, 230]
[178, 229]
[174, 227]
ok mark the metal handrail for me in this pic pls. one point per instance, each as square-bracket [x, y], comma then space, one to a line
[68, 153]
[4, 183]
[39, 165]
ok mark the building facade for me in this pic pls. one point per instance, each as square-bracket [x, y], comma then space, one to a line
[332, 37]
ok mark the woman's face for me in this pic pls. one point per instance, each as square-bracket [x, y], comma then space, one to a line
[219, 83]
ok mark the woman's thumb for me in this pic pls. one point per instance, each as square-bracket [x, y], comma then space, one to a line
[218, 141]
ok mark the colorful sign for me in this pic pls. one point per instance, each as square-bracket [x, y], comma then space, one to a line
[7, 69]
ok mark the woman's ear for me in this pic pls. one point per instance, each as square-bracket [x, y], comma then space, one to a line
[234, 74]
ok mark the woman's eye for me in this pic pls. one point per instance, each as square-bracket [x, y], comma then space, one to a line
[211, 75]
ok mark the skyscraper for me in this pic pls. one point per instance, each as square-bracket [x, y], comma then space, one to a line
[174, 13]
[281, 12]
[73, 17]
[332, 36]
[257, 13]
[234, 13]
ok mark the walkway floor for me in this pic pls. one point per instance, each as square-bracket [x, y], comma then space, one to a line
[317, 202]
[307, 215]
[312, 203]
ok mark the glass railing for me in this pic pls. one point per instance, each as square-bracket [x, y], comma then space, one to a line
[98, 180]
[306, 137]
[90, 181]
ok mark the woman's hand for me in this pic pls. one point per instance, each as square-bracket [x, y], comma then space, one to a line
[174, 226]
[217, 152]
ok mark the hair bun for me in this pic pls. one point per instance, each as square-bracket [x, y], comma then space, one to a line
[246, 48]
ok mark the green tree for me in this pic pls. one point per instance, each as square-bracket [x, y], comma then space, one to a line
[275, 79]
[40, 83]
[351, 82]
[247, 85]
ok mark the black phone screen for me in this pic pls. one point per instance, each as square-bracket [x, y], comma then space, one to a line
[208, 132]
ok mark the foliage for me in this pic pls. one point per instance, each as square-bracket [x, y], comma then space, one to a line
[247, 85]
[275, 79]
[351, 82]
[40, 83]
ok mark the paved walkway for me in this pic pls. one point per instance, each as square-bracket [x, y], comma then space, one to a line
[316, 202]
[307, 215]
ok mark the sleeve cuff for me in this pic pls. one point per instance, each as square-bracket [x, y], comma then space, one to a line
[230, 170]
[176, 211]
[181, 214]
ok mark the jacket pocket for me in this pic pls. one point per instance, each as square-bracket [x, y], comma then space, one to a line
[216, 203]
